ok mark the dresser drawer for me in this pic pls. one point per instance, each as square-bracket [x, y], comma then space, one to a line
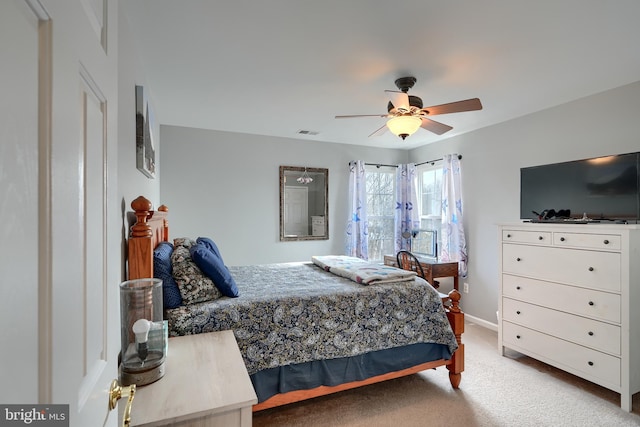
[587, 332]
[587, 241]
[520, 236]
[598, 270]
[591, 364]
[584, 302]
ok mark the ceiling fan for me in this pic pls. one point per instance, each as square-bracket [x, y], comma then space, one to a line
[406, 113]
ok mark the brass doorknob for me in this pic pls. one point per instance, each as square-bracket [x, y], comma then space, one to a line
[116, 391]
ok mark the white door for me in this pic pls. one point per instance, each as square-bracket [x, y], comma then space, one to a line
[86, 237]
[296, 211]
[70, 207]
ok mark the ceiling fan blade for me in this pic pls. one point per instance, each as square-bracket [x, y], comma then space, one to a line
[379, 131]
[435, 127]
[362, 115]
[453, 107]
[399, 99]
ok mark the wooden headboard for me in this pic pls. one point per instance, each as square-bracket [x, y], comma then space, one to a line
[150, 229]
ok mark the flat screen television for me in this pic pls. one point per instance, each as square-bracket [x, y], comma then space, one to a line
[602, 189]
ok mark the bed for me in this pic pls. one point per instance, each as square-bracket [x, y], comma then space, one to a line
[321, 332]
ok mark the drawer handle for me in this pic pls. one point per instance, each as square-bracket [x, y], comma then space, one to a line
[562, 239]
[591, 303]
[540, 238]
[590, 363]
[590, 268]
[518, 259]
[518, 288]
[518, 336]
[590, 333]
[518, 312]
[508, 236]
[606, 242]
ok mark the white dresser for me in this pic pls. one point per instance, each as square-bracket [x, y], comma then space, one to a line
[570, 297]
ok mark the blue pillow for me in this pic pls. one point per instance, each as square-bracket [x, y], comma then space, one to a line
[162, 270]
[213, 267]
[209, 244]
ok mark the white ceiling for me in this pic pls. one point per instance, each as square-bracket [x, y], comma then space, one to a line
[275, 67]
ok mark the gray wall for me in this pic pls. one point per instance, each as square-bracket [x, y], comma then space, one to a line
[226, 186]
[601, 124]
[131, 182]
[230, 181]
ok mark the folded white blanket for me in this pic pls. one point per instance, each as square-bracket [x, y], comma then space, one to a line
[362, 271]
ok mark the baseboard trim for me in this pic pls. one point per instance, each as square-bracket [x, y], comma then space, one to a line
[481, 322]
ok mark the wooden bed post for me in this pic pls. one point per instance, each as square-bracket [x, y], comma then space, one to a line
[456, 318]
[165, 223]
[151, 227]
[140, 245]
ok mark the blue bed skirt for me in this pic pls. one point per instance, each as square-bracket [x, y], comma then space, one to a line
[332, 372]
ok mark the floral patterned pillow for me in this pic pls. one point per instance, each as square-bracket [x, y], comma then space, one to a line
[193, 284]
[183, 241]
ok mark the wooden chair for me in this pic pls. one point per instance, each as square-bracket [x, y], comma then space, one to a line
[408, 261]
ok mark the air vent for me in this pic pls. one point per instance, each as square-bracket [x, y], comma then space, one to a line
[307, 132]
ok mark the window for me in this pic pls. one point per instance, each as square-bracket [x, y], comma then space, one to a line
[380, 211]
[430, 200]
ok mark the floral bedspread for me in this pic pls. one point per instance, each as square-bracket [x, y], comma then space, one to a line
[297, 312]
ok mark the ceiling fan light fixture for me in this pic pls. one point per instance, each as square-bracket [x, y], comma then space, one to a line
[305, 178]
[403, 126]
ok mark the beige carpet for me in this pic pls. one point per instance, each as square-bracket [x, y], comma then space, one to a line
[495, 391]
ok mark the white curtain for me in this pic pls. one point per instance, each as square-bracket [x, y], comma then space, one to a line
[407, 215]
[454, 246]
[357, 224]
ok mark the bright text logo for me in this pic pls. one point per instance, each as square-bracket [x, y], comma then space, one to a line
[36, 415]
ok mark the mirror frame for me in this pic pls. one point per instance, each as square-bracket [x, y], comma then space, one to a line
[325, 172]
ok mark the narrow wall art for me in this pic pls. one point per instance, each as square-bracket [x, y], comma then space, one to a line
[145, 148]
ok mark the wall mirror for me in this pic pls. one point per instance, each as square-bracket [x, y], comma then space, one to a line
[304, 211]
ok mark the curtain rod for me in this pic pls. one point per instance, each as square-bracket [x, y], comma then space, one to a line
[436, 160]
[379, 165]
